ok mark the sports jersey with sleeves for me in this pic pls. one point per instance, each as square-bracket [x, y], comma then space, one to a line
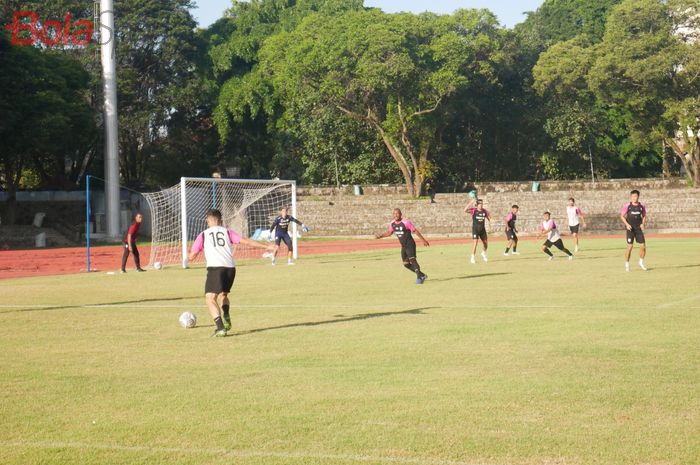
[510, 220]
[553, 233]
[133, 230]
[403, 230]
[478, 218]
[217, 243]
[282, 224]
[634, 214]
[573, 213]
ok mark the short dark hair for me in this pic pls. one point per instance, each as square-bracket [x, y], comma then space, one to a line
[634, 192]
[515, 206]
[572, 199]
[547, 213]
[478, 201]
[215, 213]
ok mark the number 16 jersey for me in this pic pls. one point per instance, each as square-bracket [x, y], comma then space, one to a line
[217, 243]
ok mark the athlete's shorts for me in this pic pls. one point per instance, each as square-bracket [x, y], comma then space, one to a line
[559, 244]
[408, 251]
[636, 234]
[286, 239]
[511, 235]
[219, 279]
[574, 229]
[479, 234]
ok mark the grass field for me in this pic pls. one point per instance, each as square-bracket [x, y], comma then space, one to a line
[342, 359]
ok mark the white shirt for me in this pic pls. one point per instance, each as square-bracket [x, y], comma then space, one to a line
[217, 243]
[553, 234]
[573, 213]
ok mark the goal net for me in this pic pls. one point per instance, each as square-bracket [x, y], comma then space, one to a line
[248, 207]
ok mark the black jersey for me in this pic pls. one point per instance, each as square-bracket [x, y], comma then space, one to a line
[634, 214]
[403, 230]
[282, 224]
[510, 220]
[478, 218]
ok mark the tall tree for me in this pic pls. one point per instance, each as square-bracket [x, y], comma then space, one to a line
[394, 72]
[648, 64]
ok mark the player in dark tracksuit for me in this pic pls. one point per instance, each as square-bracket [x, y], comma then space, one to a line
[634, 217]
[404, 229]
[479, 216]
[281, 228]
[511, 231]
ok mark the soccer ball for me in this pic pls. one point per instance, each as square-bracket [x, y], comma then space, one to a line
[157, 265]
[188, 320]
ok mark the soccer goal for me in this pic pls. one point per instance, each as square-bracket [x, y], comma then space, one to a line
[248, 206]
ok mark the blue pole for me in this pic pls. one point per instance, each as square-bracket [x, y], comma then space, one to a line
[87, 219]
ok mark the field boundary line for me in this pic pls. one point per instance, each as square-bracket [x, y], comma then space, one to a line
[679, 302]
[239, 453]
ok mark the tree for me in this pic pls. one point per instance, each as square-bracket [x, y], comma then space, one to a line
[648, 64]
[394, 72]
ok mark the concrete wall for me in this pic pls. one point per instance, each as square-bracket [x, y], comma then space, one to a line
[670, 210]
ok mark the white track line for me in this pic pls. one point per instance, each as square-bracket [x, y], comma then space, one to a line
[238, 453]
[679, 302]
[329, 306]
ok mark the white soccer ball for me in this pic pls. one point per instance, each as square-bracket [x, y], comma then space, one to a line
[157, 265]
[188, 320]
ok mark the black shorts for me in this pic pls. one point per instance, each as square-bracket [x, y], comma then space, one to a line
[286, 239]
[408, 251]
[635, 235]
[574, 229]
[219, 279]
[511, 235]
[479, 234]
[559, 244]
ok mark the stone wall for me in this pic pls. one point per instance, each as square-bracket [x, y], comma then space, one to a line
[670, 210]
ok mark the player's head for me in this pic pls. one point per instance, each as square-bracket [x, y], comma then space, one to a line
[479, 204]
[634, 196]
[515, 208]
[284, 211]
[547, 215]
[571, 201]
[138, 217]
[213, 217]
[397, 214]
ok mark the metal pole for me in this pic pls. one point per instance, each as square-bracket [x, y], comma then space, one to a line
[183, 220]
[87, 219]
[111, 119]
[590, 154]
[295, 253]
[337, 176]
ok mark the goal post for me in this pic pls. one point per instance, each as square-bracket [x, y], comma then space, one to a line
[248, 206]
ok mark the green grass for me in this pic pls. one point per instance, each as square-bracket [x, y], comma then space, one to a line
[343, 360]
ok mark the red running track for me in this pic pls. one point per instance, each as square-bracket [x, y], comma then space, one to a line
[44, 262]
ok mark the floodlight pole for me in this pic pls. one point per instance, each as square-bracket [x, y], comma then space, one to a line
[111, 121]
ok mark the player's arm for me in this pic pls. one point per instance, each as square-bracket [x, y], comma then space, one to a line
[470, 205]
[274, 224]
[583, 218]
[256, 244]
[425, 241]
[623, 214]
[644, 217]
[129, 240]
[386, 233]
[197, 247]
[303, 226]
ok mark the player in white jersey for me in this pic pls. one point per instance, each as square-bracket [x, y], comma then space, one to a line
[217, 242]
[549, 228]
[577, 220]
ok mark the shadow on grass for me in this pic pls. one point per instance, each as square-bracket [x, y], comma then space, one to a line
[339, 319]
[471, 276]
[97, 305]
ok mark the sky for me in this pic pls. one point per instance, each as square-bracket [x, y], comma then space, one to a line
[509, 12]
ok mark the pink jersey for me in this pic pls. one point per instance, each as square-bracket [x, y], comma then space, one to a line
[552, 232]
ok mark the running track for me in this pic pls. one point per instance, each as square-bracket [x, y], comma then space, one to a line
[45, 262]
